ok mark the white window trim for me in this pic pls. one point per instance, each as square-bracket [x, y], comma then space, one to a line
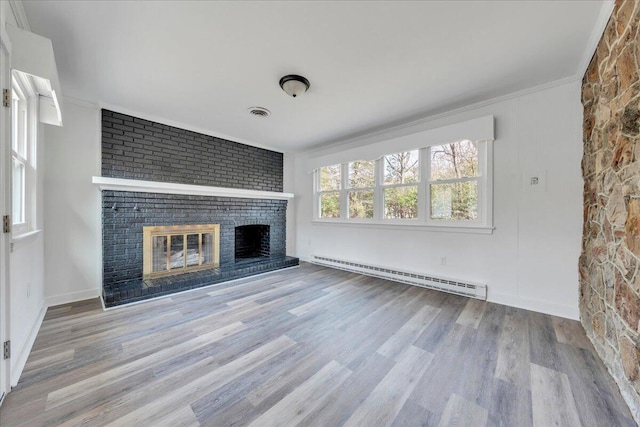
[407, 226]
[483, 225]
[26, 89]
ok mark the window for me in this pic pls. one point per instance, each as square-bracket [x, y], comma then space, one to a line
[23, 155]
[453, 181]
[400, 186]
[362, 182]
[446, 185]
[330, 184]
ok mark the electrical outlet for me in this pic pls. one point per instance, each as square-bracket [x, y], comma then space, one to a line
[443, 260]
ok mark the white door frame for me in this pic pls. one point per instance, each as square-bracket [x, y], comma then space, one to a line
[5, 209]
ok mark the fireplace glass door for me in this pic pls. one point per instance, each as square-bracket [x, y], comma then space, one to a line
[177, 249]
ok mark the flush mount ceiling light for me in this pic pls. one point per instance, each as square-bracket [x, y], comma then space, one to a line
[294, 85]
[259, 111]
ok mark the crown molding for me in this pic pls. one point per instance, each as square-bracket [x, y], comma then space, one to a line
[596, 34]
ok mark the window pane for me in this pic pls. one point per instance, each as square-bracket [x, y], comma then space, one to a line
[15, 114]
[455, 160]
[18, 123]
[330, 205]
[22, 133]
[361, 174]
[456, 201]
[330, 178]
[18, 191]
[401, 168]
[361, 204]
[401, 202]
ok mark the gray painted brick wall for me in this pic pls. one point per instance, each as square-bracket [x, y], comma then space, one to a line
[139, 149]
[134, 148]
[122, 227]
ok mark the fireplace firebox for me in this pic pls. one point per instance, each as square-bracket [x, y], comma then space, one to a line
[252, 241]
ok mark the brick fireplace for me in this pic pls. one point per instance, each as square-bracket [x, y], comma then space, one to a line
[252, 231]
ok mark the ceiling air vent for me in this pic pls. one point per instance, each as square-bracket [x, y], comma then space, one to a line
[259, 111]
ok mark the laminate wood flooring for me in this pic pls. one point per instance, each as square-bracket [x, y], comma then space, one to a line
[311, 346]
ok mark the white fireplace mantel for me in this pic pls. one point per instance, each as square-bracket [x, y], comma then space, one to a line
[119, 184]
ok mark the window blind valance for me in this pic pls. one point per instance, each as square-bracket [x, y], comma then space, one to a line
[476, 130]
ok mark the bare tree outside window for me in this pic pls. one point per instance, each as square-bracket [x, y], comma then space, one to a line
[455, 165]
[330, 177]
[362, 174]
[330, 183]
[401, 168]
[361, 184]
[401, 200]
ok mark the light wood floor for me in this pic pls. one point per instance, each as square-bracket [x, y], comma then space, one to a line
[312, 346]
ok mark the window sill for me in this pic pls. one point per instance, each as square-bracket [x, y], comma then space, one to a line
[475, 229]
[25, 236]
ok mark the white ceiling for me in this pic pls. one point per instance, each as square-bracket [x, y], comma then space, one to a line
[370, 64]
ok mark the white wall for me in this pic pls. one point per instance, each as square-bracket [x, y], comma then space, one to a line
[73, 264]
[27, 301]
[530, 260]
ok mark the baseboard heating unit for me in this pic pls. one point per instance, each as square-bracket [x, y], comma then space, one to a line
[452, 286]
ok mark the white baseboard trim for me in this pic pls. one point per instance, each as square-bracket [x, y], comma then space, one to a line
[23, 354]
[72, 297]
[540, 306]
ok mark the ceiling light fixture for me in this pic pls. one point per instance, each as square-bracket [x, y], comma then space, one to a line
[294, 85]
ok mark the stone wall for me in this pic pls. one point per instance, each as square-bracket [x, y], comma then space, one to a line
[610, 260]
